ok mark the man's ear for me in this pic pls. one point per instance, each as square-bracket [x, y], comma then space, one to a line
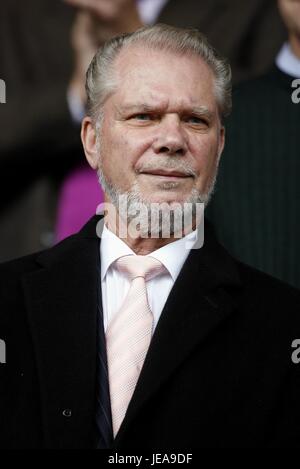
[89, 141]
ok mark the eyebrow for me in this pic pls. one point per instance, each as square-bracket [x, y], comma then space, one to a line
[202, 111]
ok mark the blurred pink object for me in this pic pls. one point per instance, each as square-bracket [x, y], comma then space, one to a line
[79, 197]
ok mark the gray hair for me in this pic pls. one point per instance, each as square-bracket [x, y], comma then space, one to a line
[101, 81]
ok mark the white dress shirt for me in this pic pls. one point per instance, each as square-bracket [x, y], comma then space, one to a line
[288, 62]
[115, 285]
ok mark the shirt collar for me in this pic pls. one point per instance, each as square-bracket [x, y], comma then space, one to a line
[172, 256]
[111, 248]
[287, 61]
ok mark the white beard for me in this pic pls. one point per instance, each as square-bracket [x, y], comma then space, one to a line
[157, 220]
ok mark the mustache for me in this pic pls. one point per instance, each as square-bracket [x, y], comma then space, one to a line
[165, 164]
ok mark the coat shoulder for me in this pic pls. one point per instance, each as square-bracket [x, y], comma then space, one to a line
[269, 292]
[12, 272]
[15, 268]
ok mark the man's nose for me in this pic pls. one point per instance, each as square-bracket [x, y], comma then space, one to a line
[170, 138]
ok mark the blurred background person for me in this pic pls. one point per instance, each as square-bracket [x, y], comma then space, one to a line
[38, 141]
[40, 150]
[250, 46]
[257, 201]
[95, 22]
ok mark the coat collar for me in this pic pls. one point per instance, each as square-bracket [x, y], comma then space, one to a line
[61, 299]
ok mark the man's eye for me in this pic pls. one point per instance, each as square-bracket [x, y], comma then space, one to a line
[195, 120]
[142, 117]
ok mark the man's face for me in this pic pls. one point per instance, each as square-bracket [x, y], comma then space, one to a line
[161, 134]
[290, 12]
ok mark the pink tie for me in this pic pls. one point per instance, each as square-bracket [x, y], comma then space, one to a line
[128, 334]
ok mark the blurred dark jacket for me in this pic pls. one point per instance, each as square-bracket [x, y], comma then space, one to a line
[38, 141]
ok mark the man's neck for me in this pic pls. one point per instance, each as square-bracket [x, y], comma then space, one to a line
[141, 245]
[144, 246]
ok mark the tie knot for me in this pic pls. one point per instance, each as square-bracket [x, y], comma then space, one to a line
[139, 266]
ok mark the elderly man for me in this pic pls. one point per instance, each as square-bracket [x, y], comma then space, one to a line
[146, 340]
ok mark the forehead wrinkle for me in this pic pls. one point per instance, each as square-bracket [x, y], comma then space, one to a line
[162, 107]
[141, 106]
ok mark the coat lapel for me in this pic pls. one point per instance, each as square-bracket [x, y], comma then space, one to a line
[61, 300]
[198, 303]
